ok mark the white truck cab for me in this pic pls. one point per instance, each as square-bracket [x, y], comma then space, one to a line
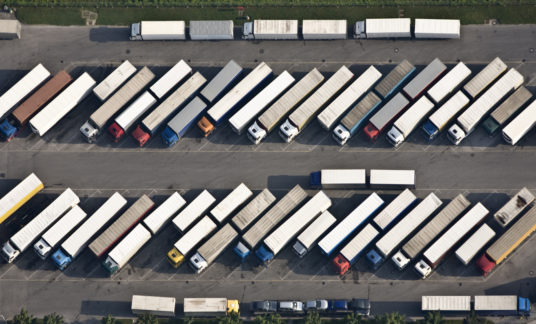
[400, 260]
[256, 133]
[247, 30]
[135, 31]
[9, 253]
[395, 137]
[287, 131]
[423, 269]
[456, 134]
[341, 135]
[89, 132]
[42, 248]
[198, 263]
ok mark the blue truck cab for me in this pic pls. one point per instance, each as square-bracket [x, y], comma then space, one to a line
[375, 259]
[315, 179]
[169, 137]
[523, 306]
[430, 130]
[61, 260]
[241, 250]
[264, 254]
[7, 130]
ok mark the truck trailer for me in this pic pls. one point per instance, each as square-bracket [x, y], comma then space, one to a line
[270, 29]
[484, 78]
[172, 77]
[114, 80]
[515, 206]
[209, 307]
[161, 215]
[444, 115]
[437, 28]
[502, 306]
[388, 28]
[338, 179]
[467, 251]
[158, 30]
[19, 195]
[221, 81]
[130, 115]
[394, 79]
[500, 115]
[521, 125]
[181, 123]
[349, 254]
[126, 249]
[395, 209]
[446, 303]
[190, 240]
[229, 204]
[211, 29]
[158, 306]
[253, 209]
[449, 82]
[212, 248]
[10, 29]
[392, 179]
[424, 79]
[307, 239]
[324, 29]
[408, 121]
[193, 211]
[385, 115]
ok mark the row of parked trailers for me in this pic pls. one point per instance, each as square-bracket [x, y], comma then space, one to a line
[498, 305]
[192, 307]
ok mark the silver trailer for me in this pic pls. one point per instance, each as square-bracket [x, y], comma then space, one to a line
[324, 29]
[388, 28]
[253, 209]
[521, 125]
[212, 248]
[353, 249]
[114, 80]
[515, 206]
[270, 29]
[437, 28]
[485, 77]
[444, 115]
[467, 251]
[506, 110]
[392, 178]
[409, 120]
[394, 79]
[446, 303]
[126, 249]
[221, 81]
[385, 116]
[10, 29]
[311, 234]
[425, 78]
[193, 211]
[158, 30]
[203, 307]
[230, 203]
[158, 306]
[172, 77]
[211, 29]
[449, 82]
[181, 123]
[193, 237]
[396, 208]
[161, 215]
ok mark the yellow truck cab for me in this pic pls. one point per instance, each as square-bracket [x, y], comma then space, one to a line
[175, 258]
[232, 306]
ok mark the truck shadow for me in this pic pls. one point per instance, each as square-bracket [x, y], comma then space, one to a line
[109, 34]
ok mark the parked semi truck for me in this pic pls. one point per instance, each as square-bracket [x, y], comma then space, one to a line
[433, 256]
[500, 115]
[430, 231]
[269, 119]
[120, 226]
[444, 115]
[230, 203]
[485, 77]
[19, 195]
[392, 179]
[162, 215]
[338, 179]
[130, 115]
[209, 307]
[350, 223]
[126, 249]
[181, 123]
[114, 80]
[170, 79]
[249, 111]
[158, 306]
[383, 117]
[19, 117]
[212, 248]
[395, 209]
[211, 29]
[394, 79]
[424, 79]
[247, 215]
[387, 28]
[467, 251]
[270, 29]
[279, 238]
[156, 118]
[521, 125]
[78, 241]
[446, 303]
[353, 249]
[300, 118]
[470, 118]
[437, 28]
[190, 240]
[409, 120]
[324, 29]
[307, 239]
[92, 128]
[508, 242]
[193, 211]
[331, 114]
[19, 242]
[449, 83]
[390, 240]
[60, 106]
[502, 306]
[221, 82]
[158, 30]
[515, 206]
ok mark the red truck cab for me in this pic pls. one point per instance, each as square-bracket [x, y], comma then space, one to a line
[140, 135]
[485, 264]
[116, 132]
[341, 265]
[371, 132]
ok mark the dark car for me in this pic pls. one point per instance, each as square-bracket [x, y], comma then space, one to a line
[265, 306]
[338, 306]
[361, 306]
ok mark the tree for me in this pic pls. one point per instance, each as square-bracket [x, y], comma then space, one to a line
[23, 317]
[232, 318]
[391, 318]
[474, 319]
[269, 319]
[147, 318]
[109, 319]
[353, 318]
[312, 318]
[433, 318]
[53, 319]
[188, 320]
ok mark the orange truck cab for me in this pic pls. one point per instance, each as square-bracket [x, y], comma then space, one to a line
[206, 126]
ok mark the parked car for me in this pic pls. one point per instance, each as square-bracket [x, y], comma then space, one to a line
[361, 306]
[291, 307]
[339, 306]
[265, 306]
[318, 305]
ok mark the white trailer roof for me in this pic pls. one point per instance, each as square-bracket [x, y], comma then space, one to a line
[10, 29]
[446, 303]
[291, 98]
[388, 111]
[163, 30]
[485, 77]
[275, 29]
[401, 203]
[19, 195]
[324, 29]
[194, 210]
[495, 303]
[230, 203]
[478, 109]
[114, 80]
[129, 245]
[151, 304]
[334, 177]
[106, 111]
[248, 112]
[449, 109]
[242, 89]
[198, 232]
[388, 27]
[426, 234]
[521, 125]
[329, 116]
[22, 88]
[135, 110]
[186, 116]
[455, 233]
[449, 82]
[514, 207]
[215, 245]
[437, 28]
[273, 216]
[392, 177]
[304, 113]
[221, 81]
[301, 218]
[316, 229]
[350, 223]
[62, 227]
[394, 78]
[160, 216]
[211, 29]
[172, 77]
[407, 122]
[253, 209]
[475, 243]
[79, 239]
[62, 104]
[408, 224]
[359, 242]
[422, 80]
[511, 105]
[204, 305]
[29, 233]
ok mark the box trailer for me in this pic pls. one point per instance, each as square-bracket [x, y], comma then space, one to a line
[172, 77]
[392, 179]
[126, 249]
[430, 231]
[515, 206]
[397, 207]
[424, 79]
[152, 122]
[181, 123]
[158, 30]
[437, 28]
[300, 118]
[19, 117]
[10, 29]
[209, 307]
[161, 215]
[395, 79]
[256, 105]
[270, 29]
[19, 195]
[331, 114]
[120, 226]
[470, 118]
[407, 225]
[338, 179]
[212, 248]
[383, 117]
[446, 242]
[114, 80]
[190, 240]
[307, 239]
[485, 77]
[22, 88]
[279, 238]
[521, 125]
[324, 29]
[158, 306]
[193, 211]
[388, 28]
[230, 203]
[444, 115]
[449, 82]
[77, 241]
[211, 29]
[446, 303]
[349, 254]
[130, 115]
[221, 109]
[408, 121]
[502, 306]
[58, 231]
[268, 120]
[506, 110]
[253, 209]
[350, 223]
[221, 81]
[100, 117]
[19, 242]
[467, 251]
